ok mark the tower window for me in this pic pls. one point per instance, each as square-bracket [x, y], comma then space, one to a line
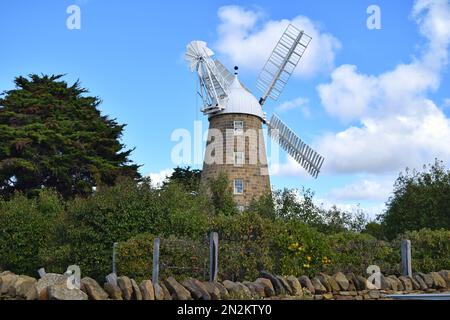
[238, 127]
[239, 158]
[238, 186]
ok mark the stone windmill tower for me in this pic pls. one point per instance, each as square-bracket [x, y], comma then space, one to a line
[235, 143]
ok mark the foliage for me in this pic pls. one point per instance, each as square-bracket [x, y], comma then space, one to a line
[245, 245]
[335, 220]
[181, 257]
[300, 249]
[135, 257]
[51, 135]
[47, 231]
[264, 206]
[116, 214]
[354, 252]
[187, 177]
[222, 195]
[420, 200]
[299, 205]
[26, 229]
[430, 249]
[375, 229]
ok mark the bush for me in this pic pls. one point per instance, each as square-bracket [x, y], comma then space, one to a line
[180, 257]
[135, 257]
[91, 225]
[354, 252]
[26, 229]
[245, 245]
[222, 195]
[300, 249]
[420, 200]
[430, 249]
[47, 232]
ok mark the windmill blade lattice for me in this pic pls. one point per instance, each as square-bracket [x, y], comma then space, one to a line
[227, 76]
[282, 63]
[214, 78]
[294, 146]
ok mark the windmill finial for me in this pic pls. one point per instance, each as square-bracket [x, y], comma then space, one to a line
[236, 68]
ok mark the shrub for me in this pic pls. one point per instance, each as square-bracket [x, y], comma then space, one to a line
[420, 200]
[91, 225]
[26, 229]
[300, 249]
[354, 252]
[245, 245]
[47, 232]
[221, 195]
[430, 249]
[134, 257]
[180, 257]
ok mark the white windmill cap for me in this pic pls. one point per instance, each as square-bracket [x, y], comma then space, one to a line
[240, 100]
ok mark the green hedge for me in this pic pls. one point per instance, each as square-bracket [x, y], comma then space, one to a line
[181, 257]
[430, 249]
[249, 244]
[26, 229]
[48, 232]
[353, 252]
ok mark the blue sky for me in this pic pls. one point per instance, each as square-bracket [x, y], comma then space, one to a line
[371, 101]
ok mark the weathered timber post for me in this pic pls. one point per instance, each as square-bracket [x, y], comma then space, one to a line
[406, 258]
[155, 270]
[114, 270]
[213, 256]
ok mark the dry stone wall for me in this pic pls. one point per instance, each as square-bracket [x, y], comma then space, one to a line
[321, 287]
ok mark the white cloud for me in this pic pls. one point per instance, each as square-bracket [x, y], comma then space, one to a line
[363, 190]
[446, 103]
[398, 125]
[300, 103]
[349, 94]
[157, 178]
[370, 210]
[290, 168]
[247, 40]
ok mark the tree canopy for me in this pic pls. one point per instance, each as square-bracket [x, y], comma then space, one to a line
[52, 135]
[187, 177]
[420, 200]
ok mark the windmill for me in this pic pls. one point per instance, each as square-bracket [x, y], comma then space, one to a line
[233, 111]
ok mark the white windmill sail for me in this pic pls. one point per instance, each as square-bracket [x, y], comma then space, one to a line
[216, 89]
[282, 62]
[213, 76]
[225, 74]
[294, 146]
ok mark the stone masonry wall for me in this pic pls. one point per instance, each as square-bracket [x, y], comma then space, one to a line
[267, 286]
[254, 171]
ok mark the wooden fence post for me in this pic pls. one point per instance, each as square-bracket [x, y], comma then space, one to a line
[155, 271]
[114, 270]
[213, 256]
[406, 258]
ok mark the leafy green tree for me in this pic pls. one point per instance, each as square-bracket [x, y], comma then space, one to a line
[297, 205]
[420, 200]
[375, 229]
[115, 214]
[27, 228]
[222, 195]
[335, 220]
[264, 206]
[53, 135]
[187, 177]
